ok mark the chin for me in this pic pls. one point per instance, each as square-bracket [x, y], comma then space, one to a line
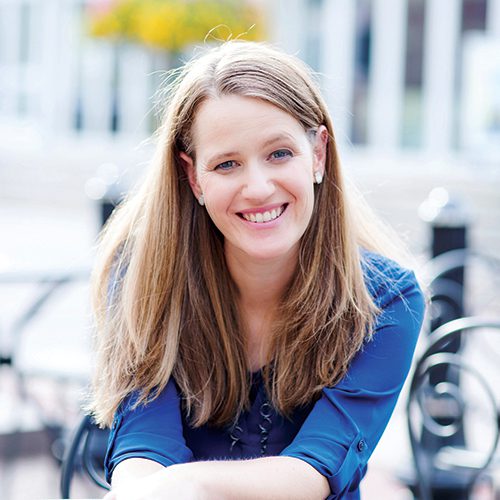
[270, 253]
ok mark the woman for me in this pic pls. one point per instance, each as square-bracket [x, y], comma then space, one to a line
[254, 339]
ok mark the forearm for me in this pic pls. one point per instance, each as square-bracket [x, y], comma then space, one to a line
[272, 478]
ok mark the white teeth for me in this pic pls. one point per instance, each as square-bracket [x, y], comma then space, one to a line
[264, 216]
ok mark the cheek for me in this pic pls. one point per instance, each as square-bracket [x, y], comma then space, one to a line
[203, 179]
[309, 206]
[217, 198]
[302, 191]
[308, 196]
[303, 186]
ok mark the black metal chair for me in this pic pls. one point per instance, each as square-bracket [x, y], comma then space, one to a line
[437, 412]
[85, 453]
[32, 296]
[451, 299]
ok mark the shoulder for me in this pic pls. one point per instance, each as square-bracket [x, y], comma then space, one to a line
[397, 294]
[387, 280]
[161, 402]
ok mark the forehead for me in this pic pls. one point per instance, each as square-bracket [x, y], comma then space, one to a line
[231, 118]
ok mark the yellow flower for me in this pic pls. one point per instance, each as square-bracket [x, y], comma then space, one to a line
[174, 24]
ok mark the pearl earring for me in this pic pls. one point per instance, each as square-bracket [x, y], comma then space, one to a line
[318, 177]
[201, 200]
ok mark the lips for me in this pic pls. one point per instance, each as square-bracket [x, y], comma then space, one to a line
[261, 217]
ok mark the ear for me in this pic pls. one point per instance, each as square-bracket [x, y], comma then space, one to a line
[320, 148]
[190, 169]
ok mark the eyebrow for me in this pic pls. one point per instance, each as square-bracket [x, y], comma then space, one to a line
[269, 142]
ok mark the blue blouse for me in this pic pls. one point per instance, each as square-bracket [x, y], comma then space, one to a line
[335, 434]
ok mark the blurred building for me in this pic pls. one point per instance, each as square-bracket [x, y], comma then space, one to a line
[396, 73]
[413, 87]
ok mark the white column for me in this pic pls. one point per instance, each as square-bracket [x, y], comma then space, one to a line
[10, 36]
[70, 33]
[480, 98]
[441, 31]
[387, 71]
[287, 21]
[48, 57]
[338, 36]
[10, 32]
[96, 85]
[493, 17]
[134, 90]
[34, 71]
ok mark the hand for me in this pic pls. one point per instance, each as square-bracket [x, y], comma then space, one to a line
[167, 484]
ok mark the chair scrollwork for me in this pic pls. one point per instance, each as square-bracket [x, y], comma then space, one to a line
[438, 410]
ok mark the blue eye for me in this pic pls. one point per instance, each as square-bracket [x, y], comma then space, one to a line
[281, 153]
[225, 165]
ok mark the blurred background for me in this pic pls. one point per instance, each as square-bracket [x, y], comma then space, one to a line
[414, 90]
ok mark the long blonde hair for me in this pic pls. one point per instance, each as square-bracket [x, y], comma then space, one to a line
[163, 298]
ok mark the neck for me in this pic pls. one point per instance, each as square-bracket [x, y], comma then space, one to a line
[260, 283]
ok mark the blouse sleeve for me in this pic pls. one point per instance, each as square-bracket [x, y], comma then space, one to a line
[346, 423]
[152, 431]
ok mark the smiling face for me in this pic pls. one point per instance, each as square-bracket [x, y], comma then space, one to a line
[255, 166]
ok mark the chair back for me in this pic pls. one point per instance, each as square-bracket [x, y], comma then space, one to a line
[86, 452]
[454, 422]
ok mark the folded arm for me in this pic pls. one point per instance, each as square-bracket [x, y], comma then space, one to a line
[273, 478]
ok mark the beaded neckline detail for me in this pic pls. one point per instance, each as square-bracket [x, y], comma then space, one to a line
[265, 418]
[265, 425]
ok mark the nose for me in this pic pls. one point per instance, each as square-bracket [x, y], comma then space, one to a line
[258, 182]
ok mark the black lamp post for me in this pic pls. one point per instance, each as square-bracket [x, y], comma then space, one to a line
[448, 223]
